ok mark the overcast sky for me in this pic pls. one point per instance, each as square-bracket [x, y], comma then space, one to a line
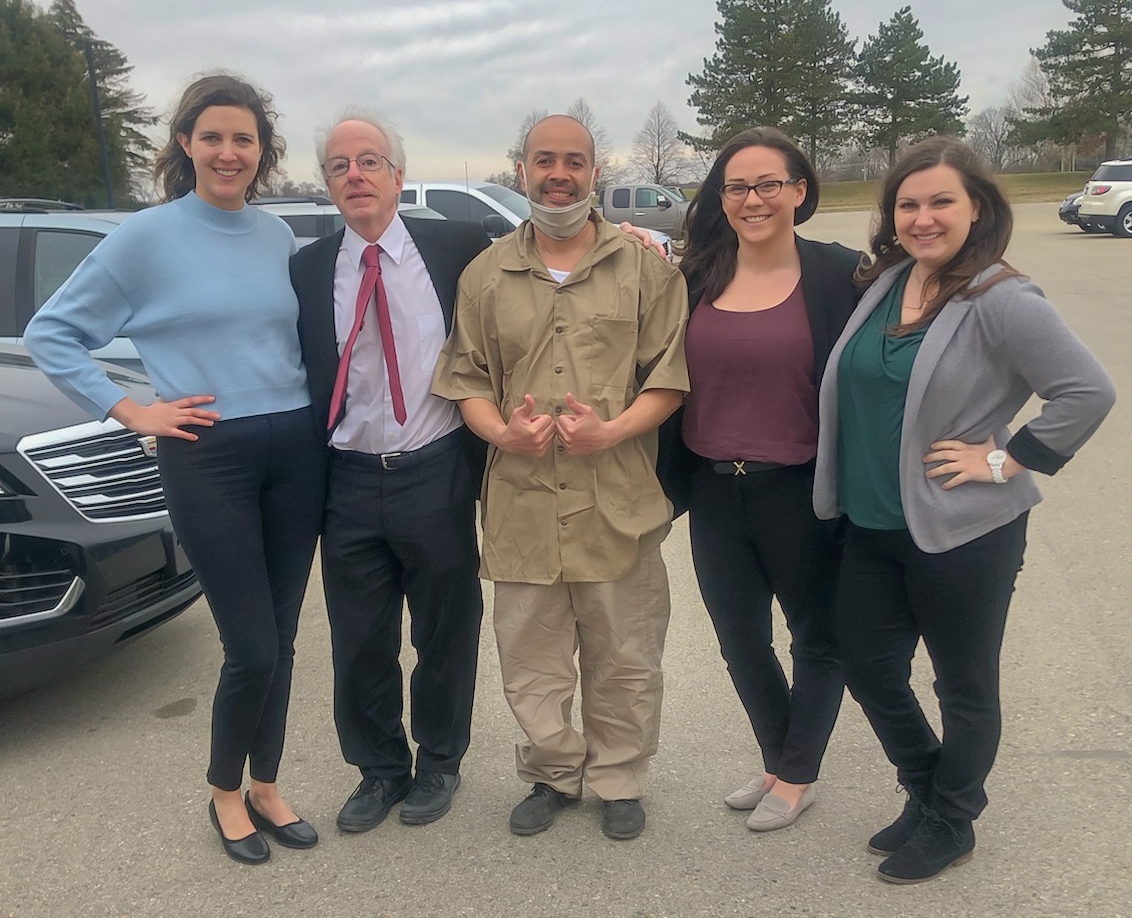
[457, 76]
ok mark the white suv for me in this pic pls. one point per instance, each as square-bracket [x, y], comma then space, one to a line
[1107, 203]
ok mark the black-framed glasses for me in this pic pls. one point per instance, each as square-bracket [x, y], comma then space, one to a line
[337, 166]
[771, 188]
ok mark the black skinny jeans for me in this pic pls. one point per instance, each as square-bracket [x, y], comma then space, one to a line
[246, 502]
[891, 594]
[754, 537]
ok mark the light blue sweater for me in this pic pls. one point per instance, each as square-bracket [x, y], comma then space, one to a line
[206, 298]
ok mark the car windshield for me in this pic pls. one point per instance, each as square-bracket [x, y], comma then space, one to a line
[512, 200]
[675, 192]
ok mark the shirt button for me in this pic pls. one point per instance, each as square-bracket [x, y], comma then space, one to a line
[560, 448]
[559, 329]
[557, 409]
[558, 369]
[563, 522]
[561, 486]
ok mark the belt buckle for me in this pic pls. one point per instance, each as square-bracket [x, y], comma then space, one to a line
[739, 470]
[385, 457]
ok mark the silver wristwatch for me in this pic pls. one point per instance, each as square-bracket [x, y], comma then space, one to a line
[996, 459]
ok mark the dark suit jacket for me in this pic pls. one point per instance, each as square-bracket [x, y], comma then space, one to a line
[831, 296]
[447, 246]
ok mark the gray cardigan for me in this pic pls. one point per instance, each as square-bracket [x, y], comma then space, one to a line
[980, 361]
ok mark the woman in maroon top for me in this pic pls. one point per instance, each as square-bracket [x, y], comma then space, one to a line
[767, 307]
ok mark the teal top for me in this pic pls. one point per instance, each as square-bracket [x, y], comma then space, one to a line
[205, 296]
[872, 386]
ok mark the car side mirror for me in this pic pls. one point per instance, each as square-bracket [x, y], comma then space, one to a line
[663, 203]
[495, 226]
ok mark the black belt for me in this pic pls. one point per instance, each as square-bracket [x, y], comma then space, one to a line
[742, 466]
[392, 462]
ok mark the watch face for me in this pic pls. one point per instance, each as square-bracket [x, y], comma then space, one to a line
[996, 457]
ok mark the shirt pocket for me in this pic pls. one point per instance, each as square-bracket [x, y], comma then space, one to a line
[612, 364]
[430, 334]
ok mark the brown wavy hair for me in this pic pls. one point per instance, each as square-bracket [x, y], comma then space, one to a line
[711, 255]
[985, 244]
[173, 170]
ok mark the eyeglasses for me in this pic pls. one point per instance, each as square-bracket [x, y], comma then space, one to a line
[337, 166]
[771, 188]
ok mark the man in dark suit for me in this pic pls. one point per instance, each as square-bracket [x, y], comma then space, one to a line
[404, 475]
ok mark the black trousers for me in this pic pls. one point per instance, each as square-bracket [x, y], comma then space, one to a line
[891, 594]
[391, 535]
[246, 501]
[755, 537]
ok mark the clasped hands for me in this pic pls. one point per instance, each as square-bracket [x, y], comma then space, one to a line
[530, 434]
[966, 462]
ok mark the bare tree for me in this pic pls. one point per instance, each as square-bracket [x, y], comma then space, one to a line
[510, 179]
[989, 132]
[612, 172]
[659, 155]
[1032, 92]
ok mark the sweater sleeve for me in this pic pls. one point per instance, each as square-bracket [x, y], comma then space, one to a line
[1076, 391]
[86, 313]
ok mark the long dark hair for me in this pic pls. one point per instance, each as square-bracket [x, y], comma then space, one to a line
[711, 254]
[173, 170]
[985, 244]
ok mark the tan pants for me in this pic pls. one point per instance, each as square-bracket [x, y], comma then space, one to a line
[617, 630]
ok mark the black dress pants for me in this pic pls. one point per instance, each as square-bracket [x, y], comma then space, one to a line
[389, 536]
[891, 594]
[755, 537]
[246, 502]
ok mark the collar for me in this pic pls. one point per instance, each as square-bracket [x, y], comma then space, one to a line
[392, 243]
[523, 255]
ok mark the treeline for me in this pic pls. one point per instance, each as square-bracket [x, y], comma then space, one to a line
[48, 132]
[791, 63]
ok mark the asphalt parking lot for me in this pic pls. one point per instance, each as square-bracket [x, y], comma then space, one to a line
[103, 800]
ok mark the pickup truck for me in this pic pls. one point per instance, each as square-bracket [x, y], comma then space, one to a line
[651, 206]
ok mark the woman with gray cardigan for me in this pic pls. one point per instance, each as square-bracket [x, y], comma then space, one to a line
[947, 345]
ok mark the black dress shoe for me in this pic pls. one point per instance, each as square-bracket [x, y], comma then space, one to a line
[297, 834]
[371, 802]
[251, 849]
[430, 798]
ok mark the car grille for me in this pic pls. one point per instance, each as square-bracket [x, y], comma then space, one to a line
[139, 595]
[101, 468]
[31, 594]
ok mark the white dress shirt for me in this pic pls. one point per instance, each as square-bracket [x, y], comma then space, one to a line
[368, 425]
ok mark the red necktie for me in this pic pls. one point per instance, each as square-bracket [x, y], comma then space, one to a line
[371, 283]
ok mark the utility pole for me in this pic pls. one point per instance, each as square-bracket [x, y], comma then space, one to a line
[89, 52]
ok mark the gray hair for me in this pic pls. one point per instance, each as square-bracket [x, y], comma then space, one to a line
[373, 119]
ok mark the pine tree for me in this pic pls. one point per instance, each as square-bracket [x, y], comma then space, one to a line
[124, 113]
[903, 93]
[784, 63]
[47, 142]
[1089, 68]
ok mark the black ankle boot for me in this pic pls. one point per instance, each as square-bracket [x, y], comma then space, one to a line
[937, 844]
[890, 839]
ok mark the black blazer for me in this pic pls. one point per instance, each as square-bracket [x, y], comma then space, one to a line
[446, 247]
[831, 296]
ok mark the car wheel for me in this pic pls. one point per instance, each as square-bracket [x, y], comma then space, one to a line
[1123, 225]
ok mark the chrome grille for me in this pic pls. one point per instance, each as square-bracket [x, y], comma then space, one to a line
[31, 594]
[100, 468]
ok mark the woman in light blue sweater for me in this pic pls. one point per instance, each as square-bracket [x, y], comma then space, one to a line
[200, 285]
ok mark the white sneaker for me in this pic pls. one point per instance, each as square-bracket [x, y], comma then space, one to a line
[748, 796]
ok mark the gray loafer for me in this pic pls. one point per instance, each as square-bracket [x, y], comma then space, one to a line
[748, 796]
[774, 813]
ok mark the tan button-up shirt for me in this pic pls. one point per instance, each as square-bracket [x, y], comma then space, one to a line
[612, 329]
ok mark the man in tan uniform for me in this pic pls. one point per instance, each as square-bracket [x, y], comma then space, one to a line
[574, 333]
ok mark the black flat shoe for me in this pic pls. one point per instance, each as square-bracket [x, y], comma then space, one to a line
[297, 834]
[251, 849]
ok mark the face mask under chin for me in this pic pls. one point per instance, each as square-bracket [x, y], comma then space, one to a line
[562, 222]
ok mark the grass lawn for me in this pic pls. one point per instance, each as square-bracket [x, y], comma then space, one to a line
[1021, 188]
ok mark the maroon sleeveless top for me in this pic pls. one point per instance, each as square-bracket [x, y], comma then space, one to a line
[753, 393]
